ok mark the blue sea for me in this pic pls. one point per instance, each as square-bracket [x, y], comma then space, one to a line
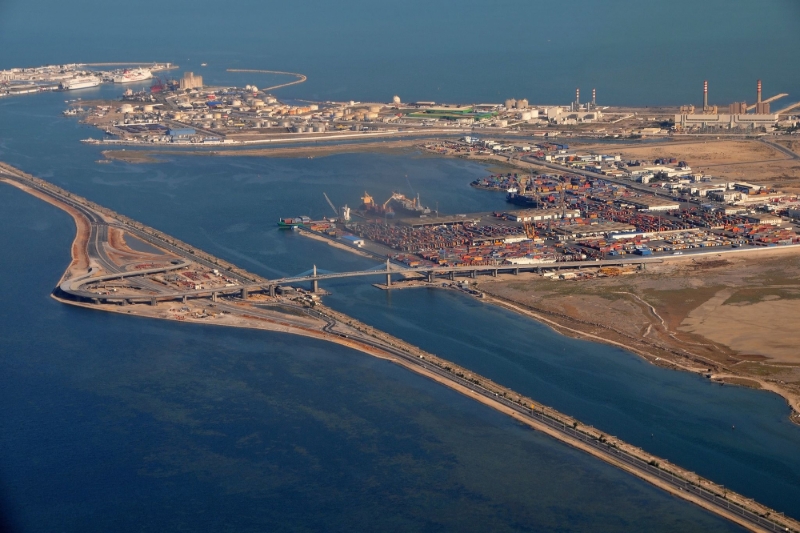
[128, 424]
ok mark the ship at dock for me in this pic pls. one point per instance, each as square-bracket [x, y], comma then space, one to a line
[80, 82]
[397, 205]
[292, 223]
[130, 76]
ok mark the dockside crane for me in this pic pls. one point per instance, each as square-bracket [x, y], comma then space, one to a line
[335, 211]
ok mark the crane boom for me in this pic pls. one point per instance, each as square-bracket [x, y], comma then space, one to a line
[331, 204]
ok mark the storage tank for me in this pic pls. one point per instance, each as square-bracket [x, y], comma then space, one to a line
[522, 104]
[374, 108]
[525, 115]
[284, 124]
[319, 127]
[258, 102]
[372, 115]
[510, 103]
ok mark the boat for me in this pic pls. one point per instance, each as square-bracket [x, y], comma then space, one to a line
[397, 204]
[80, 82]
[292, 223]
[411, 207]
[129, 76]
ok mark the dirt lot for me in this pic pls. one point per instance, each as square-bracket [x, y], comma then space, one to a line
[734, 314]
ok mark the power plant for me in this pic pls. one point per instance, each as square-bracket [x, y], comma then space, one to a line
[738, 115]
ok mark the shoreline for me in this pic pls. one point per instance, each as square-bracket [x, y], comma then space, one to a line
[655, 480]
[505, 400]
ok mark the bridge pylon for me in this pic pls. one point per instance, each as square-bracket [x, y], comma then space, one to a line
[314, 282]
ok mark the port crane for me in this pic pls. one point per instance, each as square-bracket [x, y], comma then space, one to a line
[335, 211]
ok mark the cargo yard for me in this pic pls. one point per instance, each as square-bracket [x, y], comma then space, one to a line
[556, 218]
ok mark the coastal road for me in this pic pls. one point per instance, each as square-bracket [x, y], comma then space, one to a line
[602, 446]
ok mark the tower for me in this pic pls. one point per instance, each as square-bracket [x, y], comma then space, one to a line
[705, 95]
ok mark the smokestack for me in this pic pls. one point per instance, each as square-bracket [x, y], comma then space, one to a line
[758, 92]
[705, 94]
[594, 97]
[578, 95]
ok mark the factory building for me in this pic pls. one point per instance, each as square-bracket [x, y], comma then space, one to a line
[737, 116]
[653, 204]
[537, 215]
[726, 120]
[190, 81]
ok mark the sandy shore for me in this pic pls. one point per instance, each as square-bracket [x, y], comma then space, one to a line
[150, 155]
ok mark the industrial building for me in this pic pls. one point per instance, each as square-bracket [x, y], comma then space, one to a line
[737, 116]
[653, 204]
[537, 215]
[190, 81]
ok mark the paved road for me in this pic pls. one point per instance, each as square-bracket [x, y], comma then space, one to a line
[781, 148]
[603, 447]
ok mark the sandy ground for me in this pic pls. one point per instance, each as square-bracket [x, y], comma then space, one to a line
[734, 316]
[768, 327]
[151, 156]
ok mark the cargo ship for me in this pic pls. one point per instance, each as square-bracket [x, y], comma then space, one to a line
[288, 223]
[397, 204]
[130, 76]
[80, 82]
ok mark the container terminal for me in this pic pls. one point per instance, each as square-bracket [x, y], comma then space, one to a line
[554, 218]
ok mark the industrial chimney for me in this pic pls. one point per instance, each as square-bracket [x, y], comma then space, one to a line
[758, 92]
[705, 94]
[594, 97]
[578, 95]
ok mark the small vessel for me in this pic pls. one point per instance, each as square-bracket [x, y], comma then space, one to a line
[203, 64]
[80, 82]
[293, 222]
[129, 76]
